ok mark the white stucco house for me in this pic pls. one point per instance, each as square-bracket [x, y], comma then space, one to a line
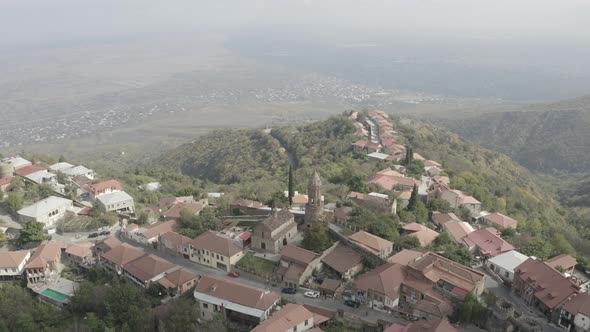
[118, 201]
[46, 211]
[504, 264]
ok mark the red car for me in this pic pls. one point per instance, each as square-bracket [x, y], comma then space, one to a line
[233, 274]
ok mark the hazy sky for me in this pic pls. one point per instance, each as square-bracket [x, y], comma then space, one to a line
[42, 21]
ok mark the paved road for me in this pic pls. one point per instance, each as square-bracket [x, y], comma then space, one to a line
[363, 313]
[503, 292]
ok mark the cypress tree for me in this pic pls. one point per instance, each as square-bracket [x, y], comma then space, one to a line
[413, 199]
[291, 184]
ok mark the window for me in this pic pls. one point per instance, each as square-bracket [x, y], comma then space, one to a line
[506, 274]
[205, 305]
[306, 322]
[295, 328]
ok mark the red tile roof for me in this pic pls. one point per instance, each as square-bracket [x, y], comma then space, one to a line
[488, 241]
[501, 220]
[385, 279]
[404, 257]
[101, 186]
[567, 262]
[549, 286]
[29, 170]
[6, 180]
[174, 211]
[298, 254]
[229, 290]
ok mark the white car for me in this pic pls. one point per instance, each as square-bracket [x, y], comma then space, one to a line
[312, 294]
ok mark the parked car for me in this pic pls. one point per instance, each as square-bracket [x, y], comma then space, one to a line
[93, 235]
[312, 294]
[352, 304]
[289, 290]
[233, 274]
[105, 233]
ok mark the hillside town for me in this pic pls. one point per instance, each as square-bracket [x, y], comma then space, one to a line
[255, 271]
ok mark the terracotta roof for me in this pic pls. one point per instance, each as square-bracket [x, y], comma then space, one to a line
[300, 199]
[113, 184]
[217, 244]
[441, 218]
[488, 241]
[418, 156]
[293, 272]
[565, 261]
[435, 267]
[414, 227]
[29, 170]
[465, 197]
[12, 259]
[45, 254]
[342, 258]
[457, 230]
[550, 287]
[174, 211]
[148, 267]
[160, 228]
[500, 220]
[320, 315]
[247, 203]
[384, 279]
[278, 218]
[6, 180]
[389, 172]
[343, 212]
[286, 319]
[122, 254]
[298, 254]
[79, 249]
[580, 303]
[178, 240]
[177, 278]
[360, 144]
[111, 242]
[428, 163]
[390, 182]
[425, 236]
[131, 227]
[403, 195]
[356, 195]
[370, 241]
[232, 291]
[404, 257]
[330, 284]
[441, 179]
[435, 325]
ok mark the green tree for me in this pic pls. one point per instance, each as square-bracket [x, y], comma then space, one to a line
[538, 247]
[357, 183]
[439, 205]
[183, 316]
[421, 213]
[409, 242]
[291, 186]
[45, 191]
[17, 184]
[62, 159]
[316, 238]
[413, 199]
[32, 232]
[13, 202]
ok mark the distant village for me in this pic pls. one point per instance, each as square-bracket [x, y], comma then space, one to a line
[255, 272]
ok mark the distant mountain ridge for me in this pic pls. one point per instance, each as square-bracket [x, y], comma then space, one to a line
[556, 139]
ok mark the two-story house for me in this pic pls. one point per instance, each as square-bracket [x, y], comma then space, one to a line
[214, 250]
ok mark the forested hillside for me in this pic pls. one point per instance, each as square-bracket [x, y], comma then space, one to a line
[254, 164]
[546, 141]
